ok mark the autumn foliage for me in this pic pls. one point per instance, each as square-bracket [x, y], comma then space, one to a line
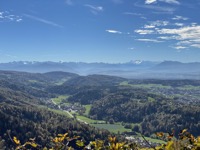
[185, 141]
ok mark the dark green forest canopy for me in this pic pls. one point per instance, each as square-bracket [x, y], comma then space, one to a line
[150, 105]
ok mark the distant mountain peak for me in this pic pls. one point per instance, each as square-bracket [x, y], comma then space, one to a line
[137, 62]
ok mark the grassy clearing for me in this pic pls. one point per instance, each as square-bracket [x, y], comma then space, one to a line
[33, 81]
[147, 86]
[86, 119]
[62, 81]
[115, 128]
[153, 140]
[60, 98]
[87, 107]
[125, 83]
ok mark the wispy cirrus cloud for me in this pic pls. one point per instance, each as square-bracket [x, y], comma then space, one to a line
[114, 31]
[150, 1]
[140, 31]
[183, 33]
[94, 9]
[185, 36]
[160, 23]
[157, 23]
[179, 47]
[160, 9]
[149, 40]
[43, 20]
[149, 26]
[6, 16]
[170, 1]
[179, 24]
[131, 48]
[135, 14]
[157, 6]
[166, 1]
[180, 18]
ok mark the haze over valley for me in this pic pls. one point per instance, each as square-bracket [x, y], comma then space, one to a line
[134, 69]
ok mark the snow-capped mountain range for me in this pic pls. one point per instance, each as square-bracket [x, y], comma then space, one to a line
[132, 69]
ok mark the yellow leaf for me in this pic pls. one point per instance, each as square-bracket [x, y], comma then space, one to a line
[183, 131]
[55, 140]
[79, 143]
[198, 139]
[170, 145]
[65, 134]
[112, 139]
[16, 140]
[99, 143]
[160, 134]
[159, 147]
[121, 144]
[60, 135]
[34, 145]
[117, 146]
[113, 145]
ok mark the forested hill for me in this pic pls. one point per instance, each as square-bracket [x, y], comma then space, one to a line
[23, 110]
[145, 106]
[154, 113]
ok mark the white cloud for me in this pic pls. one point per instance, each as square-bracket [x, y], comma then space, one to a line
[167, 10]
[155, 24]
[160, 23]
[5, 16]
[134, 14]
[179, 24]
[193, 24]
[179, 18]
[114, 31]
[184, 33]
[183, 43]
[94, 9]
[166, 1]
[43, 20]
[149, 26]
[191, 34]
[171, 1]
[196, 45]
[179, 47]
[183, 36]
[19, 20]
[168, 37]
[144, 31]
[150, 1]
[149, 40]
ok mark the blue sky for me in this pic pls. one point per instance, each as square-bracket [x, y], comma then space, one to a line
[112, 31]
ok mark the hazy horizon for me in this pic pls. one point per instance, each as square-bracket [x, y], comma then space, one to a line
[131, 61]
[109, 31]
